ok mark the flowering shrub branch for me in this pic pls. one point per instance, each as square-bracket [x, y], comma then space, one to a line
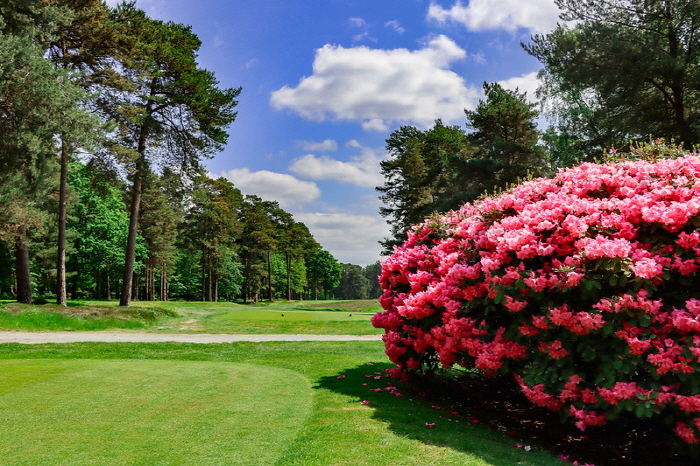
[584, 287]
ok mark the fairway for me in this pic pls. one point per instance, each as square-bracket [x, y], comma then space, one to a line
[282, 317]
[310, 317]
[83, 412]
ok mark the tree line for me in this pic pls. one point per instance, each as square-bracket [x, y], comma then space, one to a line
[617, 73]
[105, 118]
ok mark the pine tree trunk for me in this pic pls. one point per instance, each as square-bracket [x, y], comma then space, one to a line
[210, 296]
[246, 273]
[98, 281]
[289, 276]
[24, 278]
[216, 290]
[163, 277]
[61, 298]
[134, 287]
[269, 275]
[133, 223]
[109, 286]
[204, 278]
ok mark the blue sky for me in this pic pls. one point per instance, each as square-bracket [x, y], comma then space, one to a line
[325, 82]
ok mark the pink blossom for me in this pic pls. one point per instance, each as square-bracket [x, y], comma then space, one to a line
[685, 433]
[647, 268]
[524, 277]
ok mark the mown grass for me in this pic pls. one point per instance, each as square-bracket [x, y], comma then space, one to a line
[336, 429]
[148, 412]
[305, 317]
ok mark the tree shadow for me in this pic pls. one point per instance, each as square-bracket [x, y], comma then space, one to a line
[492, 420]
[418, 416]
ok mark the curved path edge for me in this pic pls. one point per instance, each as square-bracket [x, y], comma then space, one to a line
[123, 337]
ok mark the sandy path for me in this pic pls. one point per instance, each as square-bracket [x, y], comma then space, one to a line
[117, 337]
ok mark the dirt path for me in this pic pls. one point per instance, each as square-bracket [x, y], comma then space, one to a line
[120, 337]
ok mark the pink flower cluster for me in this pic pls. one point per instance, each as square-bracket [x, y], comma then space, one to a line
[590, 276]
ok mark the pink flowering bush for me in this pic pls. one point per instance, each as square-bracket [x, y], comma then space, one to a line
[584, 287]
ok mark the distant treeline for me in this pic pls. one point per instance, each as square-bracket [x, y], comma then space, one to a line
[105, 116]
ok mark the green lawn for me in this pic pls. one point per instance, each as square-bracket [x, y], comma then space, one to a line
[101, 412]
[310, 317]
[248, 403]
[282, 403]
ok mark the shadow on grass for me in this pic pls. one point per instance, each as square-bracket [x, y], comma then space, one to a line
[488, 418]
[413, 415]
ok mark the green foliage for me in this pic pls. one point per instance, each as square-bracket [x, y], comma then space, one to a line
[372, 273]
[424, 173]
[324, 272]
[99, 224]
[353, 283]
[161, 114]
[624, 70]
[442, 168]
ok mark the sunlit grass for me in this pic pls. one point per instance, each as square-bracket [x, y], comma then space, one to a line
[294, 317]
[48, 317]
[336, 429]
[148, 412]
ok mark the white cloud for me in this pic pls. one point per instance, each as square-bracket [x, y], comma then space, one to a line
[509, 15]
[375, 124]
[360, 37]
[362, 170]
[525, 83]
[478, 57]
[395, 25]
[357, 22]
[329, 145]
[350, 238]
[286, 189]
[377, 87]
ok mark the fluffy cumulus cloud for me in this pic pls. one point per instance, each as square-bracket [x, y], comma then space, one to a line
[350, 238]
[286, 189]
[525, 83]
[376, 87]
[362, 170]
[509, 15]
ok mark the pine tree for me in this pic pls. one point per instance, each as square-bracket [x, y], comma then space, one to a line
[37, 102]
[174, 113]
[624, 70]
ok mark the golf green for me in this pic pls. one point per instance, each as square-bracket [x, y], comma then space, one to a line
[98, 412]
